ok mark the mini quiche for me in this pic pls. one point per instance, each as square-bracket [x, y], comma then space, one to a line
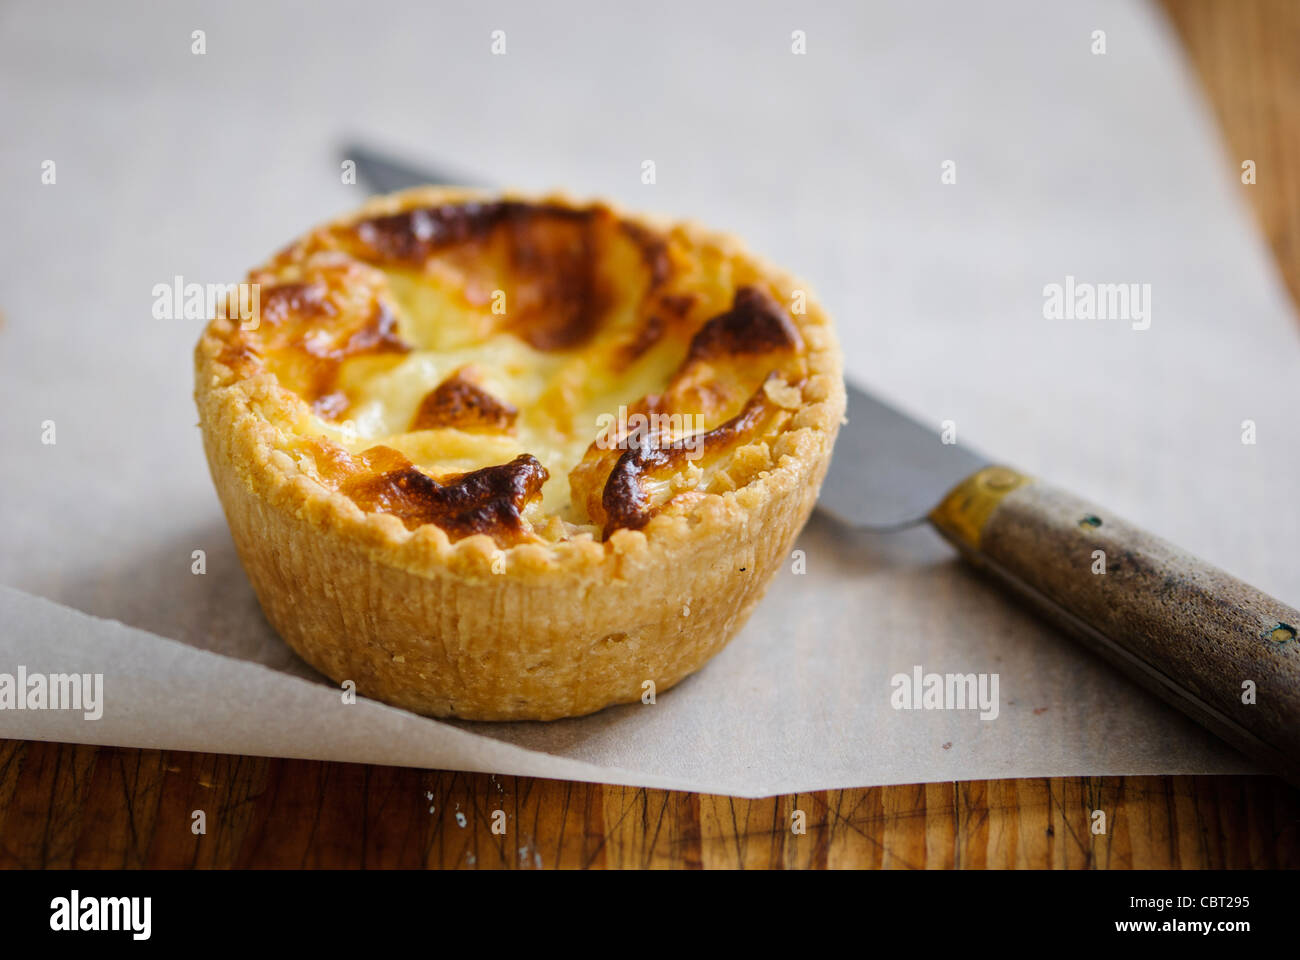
[504, 458]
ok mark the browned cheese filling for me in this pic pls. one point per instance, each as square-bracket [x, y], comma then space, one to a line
[531, 372]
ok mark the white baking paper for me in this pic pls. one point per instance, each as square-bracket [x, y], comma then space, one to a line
[1103, 167]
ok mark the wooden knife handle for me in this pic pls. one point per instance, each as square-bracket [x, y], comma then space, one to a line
[1218, 649]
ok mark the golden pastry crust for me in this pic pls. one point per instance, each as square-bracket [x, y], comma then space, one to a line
[407, 450]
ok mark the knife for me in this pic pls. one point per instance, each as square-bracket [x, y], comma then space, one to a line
[1218, 649]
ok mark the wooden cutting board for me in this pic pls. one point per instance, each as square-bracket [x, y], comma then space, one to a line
[80, 806]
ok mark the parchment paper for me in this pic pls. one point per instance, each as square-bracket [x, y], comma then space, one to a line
[1068, 163]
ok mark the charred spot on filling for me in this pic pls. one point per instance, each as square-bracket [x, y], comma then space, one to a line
[676, 305]
[559, 297]
[320, 356]
[301, 299]
[277, 305]
[754, 324]
[377, 335]
[733, 352]
[489, 501]
[460, 403]
[413, 236]
[625, 500]
[558, 294]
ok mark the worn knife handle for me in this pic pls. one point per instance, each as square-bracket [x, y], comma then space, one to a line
[1220, 650]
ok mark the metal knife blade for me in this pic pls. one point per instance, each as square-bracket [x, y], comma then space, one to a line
[386, 175]
[888, 471]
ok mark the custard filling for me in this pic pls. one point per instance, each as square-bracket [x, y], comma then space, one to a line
[532, 372]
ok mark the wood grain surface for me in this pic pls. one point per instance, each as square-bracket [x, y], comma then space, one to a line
[83, 806]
